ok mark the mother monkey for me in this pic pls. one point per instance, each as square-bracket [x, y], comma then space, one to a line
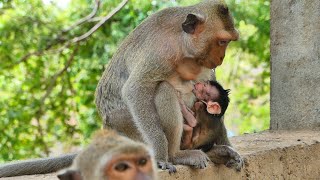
[179, 41]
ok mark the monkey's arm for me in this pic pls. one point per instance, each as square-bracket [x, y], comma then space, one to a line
[222, 138]
[36, 166]
[188, 115]
[168, 108]
[186, 140]
[138, 93]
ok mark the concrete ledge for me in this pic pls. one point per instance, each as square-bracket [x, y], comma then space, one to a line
[268, 155]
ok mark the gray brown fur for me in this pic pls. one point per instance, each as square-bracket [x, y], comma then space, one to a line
[213, 138]
[214, 141]
[126, 93]
[134, 81]
[92, 162]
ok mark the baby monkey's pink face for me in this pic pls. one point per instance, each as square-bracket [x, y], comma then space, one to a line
[209, 95]
[205, 92]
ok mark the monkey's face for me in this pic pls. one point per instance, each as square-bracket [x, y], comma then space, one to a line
[223, 31]
[219, 47]
[130, 167]
[210, 96]
[214, 96]
[205, 92]
[211, 32]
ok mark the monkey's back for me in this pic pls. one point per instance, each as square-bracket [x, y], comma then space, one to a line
[211, 128]
[146, 41]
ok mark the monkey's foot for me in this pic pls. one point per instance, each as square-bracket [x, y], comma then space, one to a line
[166, 165]
[237, 163]
[222, 154]
[194, 158]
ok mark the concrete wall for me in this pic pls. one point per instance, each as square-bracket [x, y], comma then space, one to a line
[269, 155]
[295, 64]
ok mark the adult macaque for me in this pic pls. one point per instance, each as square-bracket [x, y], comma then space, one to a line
[112, 157]
[187, 41]
[133, 96]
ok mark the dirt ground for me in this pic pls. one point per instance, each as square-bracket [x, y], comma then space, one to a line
[268, 155]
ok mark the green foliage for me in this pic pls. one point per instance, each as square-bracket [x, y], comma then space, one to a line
[47, 89]
[246, 70]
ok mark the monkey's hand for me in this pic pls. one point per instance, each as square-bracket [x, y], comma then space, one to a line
[166, 165]
[188, 115]
[223, 154]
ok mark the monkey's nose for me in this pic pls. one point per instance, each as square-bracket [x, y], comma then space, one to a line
[235, 35]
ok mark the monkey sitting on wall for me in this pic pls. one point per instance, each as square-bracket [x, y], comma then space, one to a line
[112, 157]
[134, 97]
[212, 102]
[204, 126]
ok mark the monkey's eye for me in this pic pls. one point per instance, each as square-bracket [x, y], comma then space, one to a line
[122, 166]
[142, 161]
[223, 42]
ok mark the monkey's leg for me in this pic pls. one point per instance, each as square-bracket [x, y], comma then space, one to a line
[171, 118]
[188, 115]
[121, 121]
[222, 152]
[140, 98]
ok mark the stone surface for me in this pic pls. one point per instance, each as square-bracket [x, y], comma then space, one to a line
[295, 64]
[268, 155]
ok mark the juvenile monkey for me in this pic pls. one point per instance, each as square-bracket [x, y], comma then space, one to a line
[212, 102]
[112, 157]
[203, 105]
[133, 96]
[209, 133]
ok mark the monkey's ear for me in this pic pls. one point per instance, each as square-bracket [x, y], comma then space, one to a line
[191, 23]
[213, 107]
[70, 175]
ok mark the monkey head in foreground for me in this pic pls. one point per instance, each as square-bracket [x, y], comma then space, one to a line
[112, 157]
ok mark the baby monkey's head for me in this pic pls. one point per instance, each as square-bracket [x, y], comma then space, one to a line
[214, 96]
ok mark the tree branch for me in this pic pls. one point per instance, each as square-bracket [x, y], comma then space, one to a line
[49, 89]
[60, 39]
[94, 28]
[85, 19]
[58, 74]
[100, 23]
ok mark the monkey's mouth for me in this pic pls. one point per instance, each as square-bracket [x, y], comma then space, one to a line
[211, 64]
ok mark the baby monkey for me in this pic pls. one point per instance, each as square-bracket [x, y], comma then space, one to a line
[203, 120]
[112, 157]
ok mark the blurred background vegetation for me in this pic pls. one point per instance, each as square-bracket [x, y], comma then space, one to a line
[48, 75]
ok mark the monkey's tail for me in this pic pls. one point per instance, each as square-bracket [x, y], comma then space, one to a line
[36, 166]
